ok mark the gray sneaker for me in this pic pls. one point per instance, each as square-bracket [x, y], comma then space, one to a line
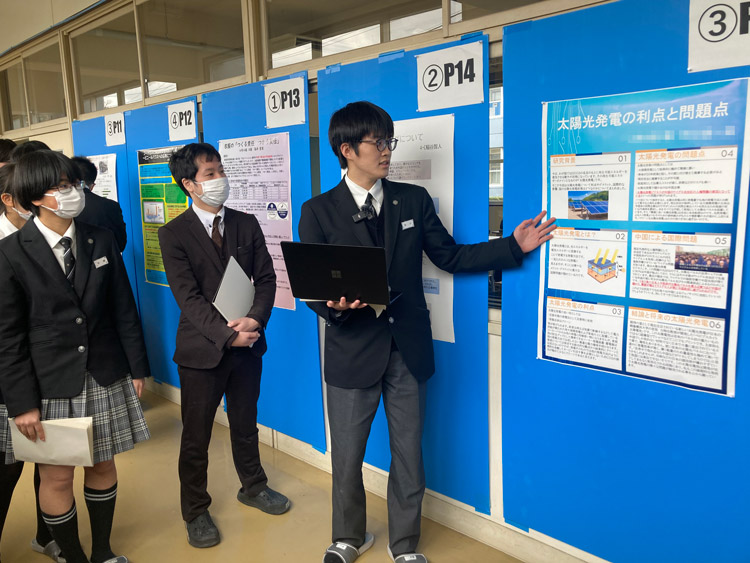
[202, 532]
[51, 550]
[268, 500]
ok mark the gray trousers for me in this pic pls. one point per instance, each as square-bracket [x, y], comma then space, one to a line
[350, 415]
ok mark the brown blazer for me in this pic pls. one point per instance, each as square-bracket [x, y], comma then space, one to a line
[194, 271]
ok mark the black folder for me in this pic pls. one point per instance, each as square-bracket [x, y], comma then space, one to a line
[326, 272]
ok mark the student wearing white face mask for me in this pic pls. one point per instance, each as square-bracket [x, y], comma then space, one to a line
[215, 357]
[71, 345]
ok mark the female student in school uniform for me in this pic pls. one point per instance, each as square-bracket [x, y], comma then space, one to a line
[71, 345]
[12, 218]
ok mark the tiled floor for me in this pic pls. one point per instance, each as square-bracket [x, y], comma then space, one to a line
[148, 527]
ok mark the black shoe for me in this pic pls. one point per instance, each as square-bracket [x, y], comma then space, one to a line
[202, 532]
[268, 500]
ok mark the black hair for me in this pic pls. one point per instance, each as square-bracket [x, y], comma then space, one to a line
[6, 147]
[26, 148]
[36, 172]
[355, 121]
[182, 163]
[86, 168]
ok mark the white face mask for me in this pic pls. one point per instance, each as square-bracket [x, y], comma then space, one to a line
[69, 205]
[25, 216]
[215, 192]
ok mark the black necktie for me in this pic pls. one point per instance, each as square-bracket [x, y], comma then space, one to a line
[69, 262]
[216, 232]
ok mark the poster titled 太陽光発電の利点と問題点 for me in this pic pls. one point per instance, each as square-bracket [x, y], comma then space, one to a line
[643, 275]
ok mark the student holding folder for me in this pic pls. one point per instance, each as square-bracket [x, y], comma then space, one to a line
[71, 346]
[215, 357]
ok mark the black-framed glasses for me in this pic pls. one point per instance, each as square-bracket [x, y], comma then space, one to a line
[380, 144]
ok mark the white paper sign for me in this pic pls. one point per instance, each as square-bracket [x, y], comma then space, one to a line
[259, 174]
[719, 35]
[182, 118]
[285, 102]
[424, 156]
[114, 129]
[106, 175]
[451, 77]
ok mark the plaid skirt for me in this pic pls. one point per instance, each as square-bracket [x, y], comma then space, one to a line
[118, 421]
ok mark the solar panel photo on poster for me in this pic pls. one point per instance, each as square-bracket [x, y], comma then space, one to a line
[596, 207]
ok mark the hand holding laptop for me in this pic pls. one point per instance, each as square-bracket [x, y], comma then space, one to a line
[342, 304]
[248, 329]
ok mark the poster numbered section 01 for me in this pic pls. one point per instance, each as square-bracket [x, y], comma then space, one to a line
[650, 190]
[161, 201]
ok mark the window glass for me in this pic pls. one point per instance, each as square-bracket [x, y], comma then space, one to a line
[13, 98]
[106, 65]
[45, 84]
[463, 11]
[300, 30]
[351, 40]
[496, 173]
[187, 43]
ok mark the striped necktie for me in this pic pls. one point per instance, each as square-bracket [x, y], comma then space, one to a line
[69, 261]
[216, 232]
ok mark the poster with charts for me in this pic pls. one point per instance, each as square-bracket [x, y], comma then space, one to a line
[644, 274]
[258, 169]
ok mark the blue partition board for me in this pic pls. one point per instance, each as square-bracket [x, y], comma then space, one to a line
[89, 139]
[623, 468]
[291, 399]
[456, 439]
[148, 128]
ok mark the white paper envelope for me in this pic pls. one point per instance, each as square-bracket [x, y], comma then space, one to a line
[68, 441]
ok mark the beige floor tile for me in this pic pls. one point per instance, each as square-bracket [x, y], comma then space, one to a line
[148, 527]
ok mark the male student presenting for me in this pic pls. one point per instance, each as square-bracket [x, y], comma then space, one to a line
[366, 355]
[215, 357]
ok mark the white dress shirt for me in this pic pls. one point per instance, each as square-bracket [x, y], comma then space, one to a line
[207, 219]
[360, 194]
[6, 227]
[53, 239]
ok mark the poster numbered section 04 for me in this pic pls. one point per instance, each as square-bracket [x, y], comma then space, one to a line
[650, 190]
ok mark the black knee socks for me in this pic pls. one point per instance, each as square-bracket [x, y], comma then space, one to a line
[64, 529]
[101, 505]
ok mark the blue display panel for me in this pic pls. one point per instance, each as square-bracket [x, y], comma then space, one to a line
[291, 399]
[456, 437]
[145, 129]
[623, 468]
[88, 140]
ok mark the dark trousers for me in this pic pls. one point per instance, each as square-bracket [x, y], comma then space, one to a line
[350, 415]
[238, 377]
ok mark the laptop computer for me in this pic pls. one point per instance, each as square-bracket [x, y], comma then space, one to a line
[327, 272]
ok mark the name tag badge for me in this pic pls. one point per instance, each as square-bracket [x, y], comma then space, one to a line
[99, 262]
[407, 224]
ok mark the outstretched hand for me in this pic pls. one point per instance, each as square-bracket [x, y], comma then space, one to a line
[531, 233]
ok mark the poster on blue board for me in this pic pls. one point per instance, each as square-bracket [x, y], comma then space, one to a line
[650, 190]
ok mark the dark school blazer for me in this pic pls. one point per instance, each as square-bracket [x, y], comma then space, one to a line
[194, 270]
[357, 344]
[105, 213]
[53, 333]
